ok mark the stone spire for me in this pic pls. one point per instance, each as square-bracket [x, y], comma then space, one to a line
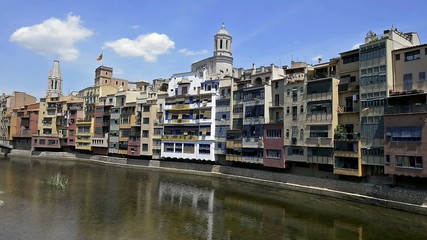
[54, 84]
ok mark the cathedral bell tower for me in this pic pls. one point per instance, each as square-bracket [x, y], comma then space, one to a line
[54, 84]
[222, 46]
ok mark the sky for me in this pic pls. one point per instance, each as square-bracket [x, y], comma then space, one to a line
[144, 40]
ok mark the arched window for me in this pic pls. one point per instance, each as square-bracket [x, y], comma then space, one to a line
[287, 110]
[220, 44]
[226, 44]
[302, 108]
[287, 133]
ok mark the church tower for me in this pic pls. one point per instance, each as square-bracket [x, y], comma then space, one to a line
[222, 43]
[54, 84]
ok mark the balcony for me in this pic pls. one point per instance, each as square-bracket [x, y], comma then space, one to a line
[347, 172]
[123, 139]
[319, 142]
[84, 121]
[234, 144]
[180, 138]
[410, 109]
[295, 77]
[233, 158]
[319, 96]
[253, 120]
[319, 117]
[252, 159]
[348, 109]
[347, 137]
[320, 159]
[253, 142]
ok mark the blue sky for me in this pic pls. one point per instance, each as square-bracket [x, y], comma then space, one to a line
[143, 40]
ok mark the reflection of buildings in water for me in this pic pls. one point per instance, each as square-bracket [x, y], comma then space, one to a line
[179, 194]
[345, 230]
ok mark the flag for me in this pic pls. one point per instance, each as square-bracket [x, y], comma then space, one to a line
[99, 58]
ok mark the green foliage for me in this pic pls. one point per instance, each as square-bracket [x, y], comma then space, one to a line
[164, 87]
[339, 130]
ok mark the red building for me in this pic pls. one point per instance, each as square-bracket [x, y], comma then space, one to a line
[274, 151]
[26, 125]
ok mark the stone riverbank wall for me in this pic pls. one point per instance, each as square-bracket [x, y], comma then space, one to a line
[406, 199]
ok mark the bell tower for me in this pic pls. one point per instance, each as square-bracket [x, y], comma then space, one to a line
[222, 43]
[54, 83]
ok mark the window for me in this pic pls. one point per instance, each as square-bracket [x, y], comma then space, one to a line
[274, 153]
[287, 110]
[145, 120]
[188, 147]
[178, 147]
[288, 92]
[287, 133]
[387, 160]
[294, 113]
[409, 161]
[319, 131]
[145, 133]
[422, 76]
[274, 133]
[404, 134]
[407, 81]
[145, 147]
[204, 149]
[295, 151]
[276, 100]
[146, 108]
[397, 57]
[169, 147]
[276, 84]
[413, 55]
[301, 134]
[302, 108]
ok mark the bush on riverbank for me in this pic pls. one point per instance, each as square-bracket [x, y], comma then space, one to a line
[58, 181]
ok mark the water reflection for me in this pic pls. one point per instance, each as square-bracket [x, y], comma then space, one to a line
[104, 202]
[200, 200]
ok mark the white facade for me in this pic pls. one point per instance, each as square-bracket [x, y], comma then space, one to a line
[189, 120]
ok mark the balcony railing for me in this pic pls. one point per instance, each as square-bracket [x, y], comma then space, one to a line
[347, 137]
[421, 108]
[319, 96]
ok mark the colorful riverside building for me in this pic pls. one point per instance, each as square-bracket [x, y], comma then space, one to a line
[405, 115]
[347, 144]
[26, 125]
[189, 119]
[8, 106]
[376, 81]
[251, 101]
[122, 118]
[150, 104]
[53, 114]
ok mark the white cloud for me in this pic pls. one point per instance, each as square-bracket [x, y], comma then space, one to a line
[192, 53]
[316, 58]
[135, 26]
[356, 46]
[53, 37]
[149, 46]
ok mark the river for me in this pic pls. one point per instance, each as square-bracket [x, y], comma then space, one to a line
[106, 202]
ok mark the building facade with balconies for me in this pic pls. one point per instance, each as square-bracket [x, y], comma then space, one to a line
[405, 115]
[26, 125]
[102, 124]
[347, 151]
[294, 112]
[321, 116]
[189, 120]
[376, 81]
